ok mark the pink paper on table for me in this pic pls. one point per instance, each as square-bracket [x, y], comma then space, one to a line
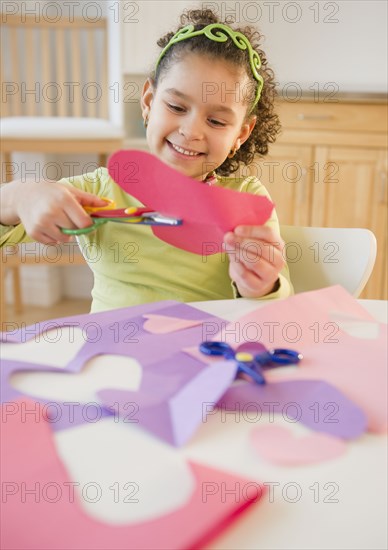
[63, 525]
[208, 212]
[356, 366]
[278, 445]
[161, 324]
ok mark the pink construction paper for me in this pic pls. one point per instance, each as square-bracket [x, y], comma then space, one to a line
[208, 212]
[301, 320]
[161, 324]
[279, 445]
[31, 523]
[355, 366]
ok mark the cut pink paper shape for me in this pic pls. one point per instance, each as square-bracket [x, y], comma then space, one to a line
[279, 445]
[161, 324]
[355, 366]
[208, 212]
[47, 525]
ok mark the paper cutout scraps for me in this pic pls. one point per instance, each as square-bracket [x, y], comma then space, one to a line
[161, 324]
[166, 407]
[355, 366]
[314, 403]
[208, 212]
[279, 445]
[66, 525]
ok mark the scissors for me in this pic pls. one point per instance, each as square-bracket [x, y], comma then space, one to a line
[250, 364]
[102, 215]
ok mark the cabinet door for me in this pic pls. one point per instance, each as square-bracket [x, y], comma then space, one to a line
[286, 174]
[379, 276]
[348, 191]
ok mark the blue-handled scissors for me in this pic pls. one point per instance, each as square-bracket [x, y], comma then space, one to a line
[250, 364]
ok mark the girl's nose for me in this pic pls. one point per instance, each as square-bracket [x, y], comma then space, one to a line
[191, 128]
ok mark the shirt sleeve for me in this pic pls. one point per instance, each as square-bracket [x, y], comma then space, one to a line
[92, 182]
[11, 235]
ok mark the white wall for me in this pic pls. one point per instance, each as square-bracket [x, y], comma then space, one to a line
[344, 42]
[307, 41]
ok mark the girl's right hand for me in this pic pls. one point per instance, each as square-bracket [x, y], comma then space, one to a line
[47, 206]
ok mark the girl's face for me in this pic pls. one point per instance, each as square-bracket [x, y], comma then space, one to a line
[197, 114]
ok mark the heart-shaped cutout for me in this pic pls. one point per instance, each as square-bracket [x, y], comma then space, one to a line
[279, 445]
[135, 483]
[161, 324]
[100, 372]
[55, 348]
[208, 212]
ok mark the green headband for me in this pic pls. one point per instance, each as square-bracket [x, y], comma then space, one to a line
[222, 35]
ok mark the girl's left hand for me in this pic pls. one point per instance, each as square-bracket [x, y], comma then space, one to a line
[256, 257]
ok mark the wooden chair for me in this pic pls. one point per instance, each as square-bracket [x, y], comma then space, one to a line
[56, 75]
[56, 96]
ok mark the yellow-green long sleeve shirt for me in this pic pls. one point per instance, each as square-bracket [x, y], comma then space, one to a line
[131, 266]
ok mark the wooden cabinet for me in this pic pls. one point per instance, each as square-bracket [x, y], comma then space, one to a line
[329, 169]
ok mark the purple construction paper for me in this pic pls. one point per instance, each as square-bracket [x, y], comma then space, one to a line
[170, 401]
[60, 415]
[315, 403]
[157, 353]
[129, 338]
[103, 318]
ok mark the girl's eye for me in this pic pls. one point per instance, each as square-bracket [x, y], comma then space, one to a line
[216, 122]
[175, 108]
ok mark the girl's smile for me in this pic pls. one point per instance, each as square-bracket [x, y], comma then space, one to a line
[190, 154]
[192, 130]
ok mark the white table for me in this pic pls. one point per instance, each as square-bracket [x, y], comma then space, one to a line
[339, 504]
[357, 521]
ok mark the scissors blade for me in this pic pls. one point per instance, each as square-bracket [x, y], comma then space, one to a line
[154, 218]
[142, 220]
[121, 213]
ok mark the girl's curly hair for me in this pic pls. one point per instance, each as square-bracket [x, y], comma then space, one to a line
[268, 125]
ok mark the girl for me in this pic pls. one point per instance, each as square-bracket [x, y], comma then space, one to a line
[207, 107]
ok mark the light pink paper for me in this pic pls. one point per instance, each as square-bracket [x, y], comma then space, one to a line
[355, 366]
[161, 324]
[279, 445]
